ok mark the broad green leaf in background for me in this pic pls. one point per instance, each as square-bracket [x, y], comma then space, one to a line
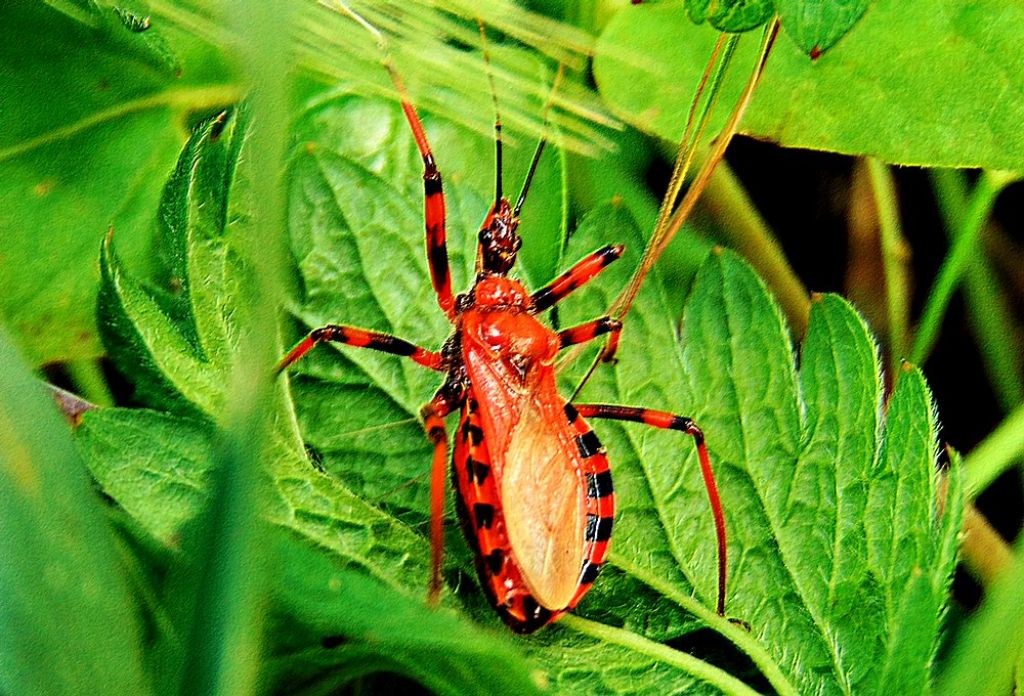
[932, 83]
[89, 136]
[67, 618]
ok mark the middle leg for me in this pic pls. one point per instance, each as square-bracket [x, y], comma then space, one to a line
[582, 333]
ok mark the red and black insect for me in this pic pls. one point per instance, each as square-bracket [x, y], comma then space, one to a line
[535, 489]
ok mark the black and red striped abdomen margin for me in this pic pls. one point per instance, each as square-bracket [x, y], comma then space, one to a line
[600, 501]
[483, 520]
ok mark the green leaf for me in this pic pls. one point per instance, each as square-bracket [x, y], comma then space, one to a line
[155, 465]
[731, 15]
[173, 341]
[879, 92]
[67, 616]
[816, 26]
[90, 135]
[830, 508]
[365, 626]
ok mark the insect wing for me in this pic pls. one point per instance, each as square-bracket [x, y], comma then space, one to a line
[539, 475]
[544, 500]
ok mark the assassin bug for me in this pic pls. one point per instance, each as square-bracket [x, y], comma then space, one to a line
[534, 486]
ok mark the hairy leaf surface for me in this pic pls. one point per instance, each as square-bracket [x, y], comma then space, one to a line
[803, 458]
[89, 137]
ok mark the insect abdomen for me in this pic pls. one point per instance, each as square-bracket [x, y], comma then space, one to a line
[483, 521]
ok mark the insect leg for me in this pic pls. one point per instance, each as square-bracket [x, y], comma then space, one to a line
[668, 421]
[584, 270]
[433, 204]
[434, 214]
[589, 331]
[433, 415]
[540, 145]
[361, 338]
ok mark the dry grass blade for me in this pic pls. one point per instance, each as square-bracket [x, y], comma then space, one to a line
[437, 52]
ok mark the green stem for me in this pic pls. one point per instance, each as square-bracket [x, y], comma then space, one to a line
[995, 454]
[894, 256]
[703, 671]
[192, 98]
[739, 637]
[748, 233]
[89, 382]
[963, 250]
[231, 562]
[990, 315]
[989, 649]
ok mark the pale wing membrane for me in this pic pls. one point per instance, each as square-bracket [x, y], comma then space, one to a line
[544, 501]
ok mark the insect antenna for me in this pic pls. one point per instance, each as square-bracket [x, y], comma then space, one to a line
[540, 145]
[497, 114]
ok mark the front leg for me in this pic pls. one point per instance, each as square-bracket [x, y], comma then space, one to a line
[585, 269]
[433, 204]
[361, 338]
